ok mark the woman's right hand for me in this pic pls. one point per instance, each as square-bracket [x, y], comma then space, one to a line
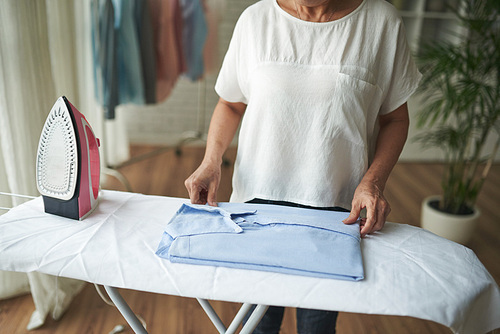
[203, 184]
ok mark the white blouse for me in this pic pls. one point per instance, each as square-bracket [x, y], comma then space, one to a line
[313, 92]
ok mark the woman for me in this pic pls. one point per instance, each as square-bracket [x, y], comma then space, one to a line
[320, 88]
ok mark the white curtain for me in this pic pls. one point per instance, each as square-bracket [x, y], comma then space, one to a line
[45, 52]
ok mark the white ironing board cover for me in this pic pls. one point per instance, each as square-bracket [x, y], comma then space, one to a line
[408, 271]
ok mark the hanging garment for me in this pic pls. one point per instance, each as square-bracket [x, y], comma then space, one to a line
[194, 35]
[130, 77]
[146, 49]
[272, 238]
[166, 18]
[140, 49]
[213, 14]
[104, 47]
[118, 70]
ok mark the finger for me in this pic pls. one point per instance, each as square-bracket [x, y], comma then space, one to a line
[382, 214]
[189, 187]
[353, 216]
[197, 194]
[187, 184]
[212, 195]
[371, 220]
[204, 195]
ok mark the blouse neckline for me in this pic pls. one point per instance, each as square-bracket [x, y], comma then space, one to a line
[337, 21]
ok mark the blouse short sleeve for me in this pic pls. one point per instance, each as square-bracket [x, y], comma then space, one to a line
[229, 85]
[405, 76]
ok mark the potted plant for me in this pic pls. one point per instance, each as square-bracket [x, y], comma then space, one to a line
[461, 86]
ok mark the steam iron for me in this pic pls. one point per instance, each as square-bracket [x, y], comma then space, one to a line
[67, 164]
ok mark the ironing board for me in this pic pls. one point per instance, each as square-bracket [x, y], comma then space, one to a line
[408, 271]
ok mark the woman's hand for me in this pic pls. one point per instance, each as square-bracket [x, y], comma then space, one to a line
[368, 195]
[203, 184]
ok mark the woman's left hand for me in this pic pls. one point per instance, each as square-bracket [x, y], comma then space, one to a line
[368, 195]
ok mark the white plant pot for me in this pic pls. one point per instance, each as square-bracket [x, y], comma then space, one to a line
[458, 228]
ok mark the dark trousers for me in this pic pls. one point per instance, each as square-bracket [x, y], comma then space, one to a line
[308, 321]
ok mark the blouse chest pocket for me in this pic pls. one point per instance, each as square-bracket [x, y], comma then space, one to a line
[356, 97]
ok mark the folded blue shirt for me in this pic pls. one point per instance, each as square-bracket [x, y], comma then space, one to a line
[265, 237]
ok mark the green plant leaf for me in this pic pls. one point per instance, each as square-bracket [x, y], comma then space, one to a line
[461, 89]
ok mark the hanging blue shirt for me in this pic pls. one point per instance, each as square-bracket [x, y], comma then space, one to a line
[265, 237]
[194, 36]
[118, 71]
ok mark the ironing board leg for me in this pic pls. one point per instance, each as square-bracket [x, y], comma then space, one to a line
[249, 326]
[125, 310]
[238, 318]
[254, 319]
[212, 315]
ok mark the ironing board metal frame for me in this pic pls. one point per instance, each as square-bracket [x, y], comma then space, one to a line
[249, 326]
[125, 310]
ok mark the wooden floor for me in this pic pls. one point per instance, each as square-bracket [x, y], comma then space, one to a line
[165, 174]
